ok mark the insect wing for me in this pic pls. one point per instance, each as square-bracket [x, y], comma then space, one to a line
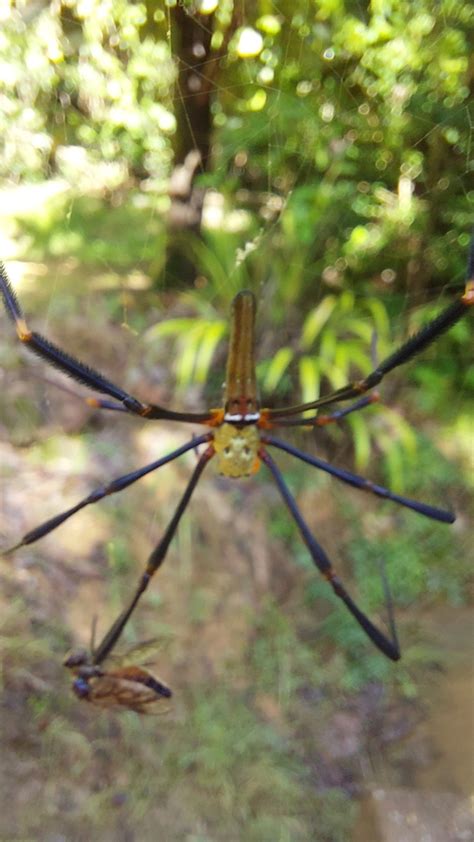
[132, 688]
[140, 653]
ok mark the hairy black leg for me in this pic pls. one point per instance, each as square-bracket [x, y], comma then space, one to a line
[81, 372]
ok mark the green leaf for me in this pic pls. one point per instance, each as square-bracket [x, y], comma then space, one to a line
[402, 430]
[361, 436]
[188, 355]
[309, 378]
[277, 368]
[342, 360]
[347, 301]
[349, 355]
[380, 316]
[170, 327]
[212, 334]
[316, 320]
[362, 329]
[328, 346]
[394, 461]
[333, 372]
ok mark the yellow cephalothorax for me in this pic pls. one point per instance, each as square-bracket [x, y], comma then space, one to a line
[237, 450]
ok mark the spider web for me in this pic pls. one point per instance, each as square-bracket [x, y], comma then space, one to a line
[105, 319]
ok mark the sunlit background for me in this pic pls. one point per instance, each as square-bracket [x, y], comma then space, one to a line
[155, 159]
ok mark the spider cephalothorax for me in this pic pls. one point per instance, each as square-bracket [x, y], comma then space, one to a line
[236, 450]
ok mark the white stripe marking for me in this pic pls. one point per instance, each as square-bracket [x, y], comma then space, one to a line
[238, 419]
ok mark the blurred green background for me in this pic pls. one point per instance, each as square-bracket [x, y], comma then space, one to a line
[155, 159]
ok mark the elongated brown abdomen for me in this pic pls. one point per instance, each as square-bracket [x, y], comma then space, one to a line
[240, 395]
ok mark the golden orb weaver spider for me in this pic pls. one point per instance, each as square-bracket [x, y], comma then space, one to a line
[239, 436]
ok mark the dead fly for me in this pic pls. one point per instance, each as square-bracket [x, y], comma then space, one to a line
[122, 685]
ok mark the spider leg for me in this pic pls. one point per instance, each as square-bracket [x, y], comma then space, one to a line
[81, 372]
[319, 420]
[389, 647]
[389, 604]
[155, 560]
[98, 403]
[417, 343]
[51, 381]
[359, 482]
[113, 487]
[93, 402]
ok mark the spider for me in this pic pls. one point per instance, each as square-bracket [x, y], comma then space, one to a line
[239, 436]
